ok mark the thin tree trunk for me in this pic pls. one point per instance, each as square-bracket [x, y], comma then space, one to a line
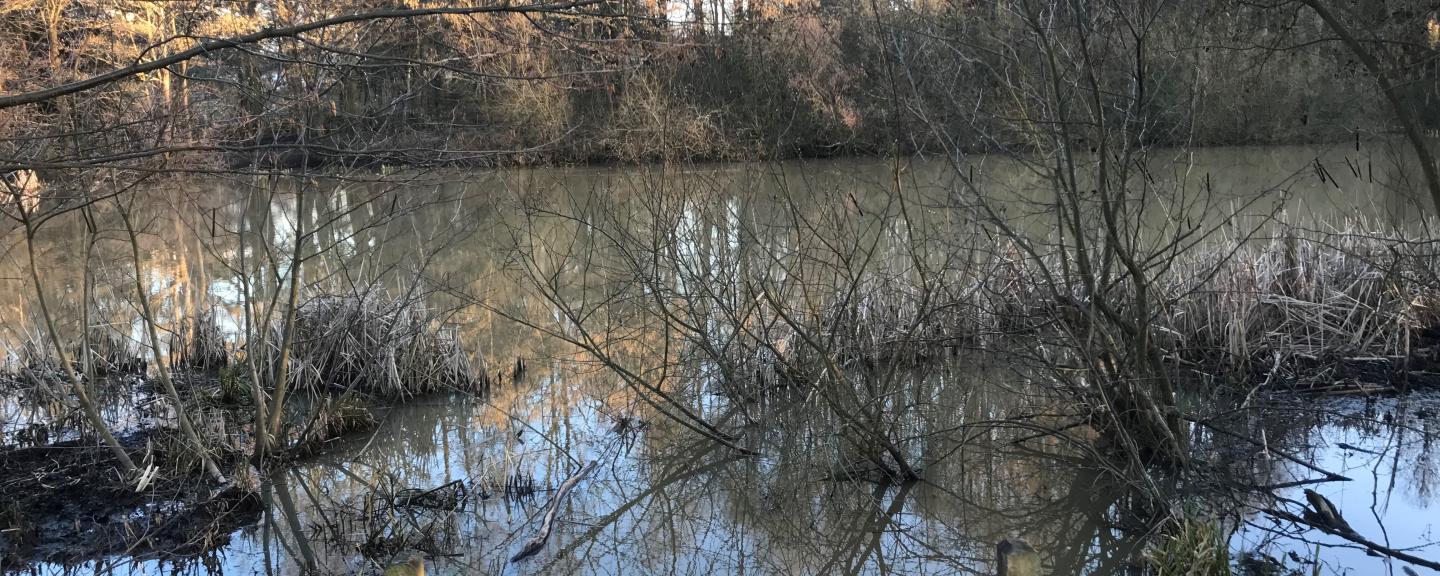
[87, 291]
[257, 388]
[277, 407]
[146, 315]
[82, 394]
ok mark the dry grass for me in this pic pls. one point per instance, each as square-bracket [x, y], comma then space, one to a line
[111, 353]
[376, 345]
[205, 347]
[1358, 300]
[334, 417]
[1307, 300]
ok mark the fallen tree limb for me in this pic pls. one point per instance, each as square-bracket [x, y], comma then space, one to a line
[1356, 538]
[534, 545]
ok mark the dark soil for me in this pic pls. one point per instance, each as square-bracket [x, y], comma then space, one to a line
[67, 503]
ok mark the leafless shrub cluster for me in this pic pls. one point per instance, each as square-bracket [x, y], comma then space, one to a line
[834, 305]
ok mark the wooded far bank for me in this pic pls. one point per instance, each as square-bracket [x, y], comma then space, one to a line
[289, 82]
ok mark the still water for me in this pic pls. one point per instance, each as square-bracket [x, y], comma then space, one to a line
[662, 501]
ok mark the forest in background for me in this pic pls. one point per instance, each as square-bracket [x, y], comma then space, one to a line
[636, 81]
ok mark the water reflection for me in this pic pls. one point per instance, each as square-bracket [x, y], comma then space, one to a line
[1387, 448]
[661, 500]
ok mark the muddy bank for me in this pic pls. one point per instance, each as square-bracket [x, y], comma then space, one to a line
[65, 499]
[67, 503]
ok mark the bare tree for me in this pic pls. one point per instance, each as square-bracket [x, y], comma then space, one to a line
[27, 211]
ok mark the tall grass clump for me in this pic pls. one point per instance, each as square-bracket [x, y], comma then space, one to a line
[204, 348]
[1193, 548]
[109, 353]
[388, 347]
[333, 417]
[1354, 299]
[1306, 301]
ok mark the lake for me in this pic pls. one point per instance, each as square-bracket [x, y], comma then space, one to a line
[521, 265]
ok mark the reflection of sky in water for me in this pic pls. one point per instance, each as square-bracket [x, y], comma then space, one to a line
[652, 506]
[660, 506]
[124, 414]
[1389, 499]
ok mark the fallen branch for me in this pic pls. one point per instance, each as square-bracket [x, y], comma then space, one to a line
[1356, 538]
[535, 544]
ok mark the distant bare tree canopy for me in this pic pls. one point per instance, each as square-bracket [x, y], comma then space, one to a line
[288, 82]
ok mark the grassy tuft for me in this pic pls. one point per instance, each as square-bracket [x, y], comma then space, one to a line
[1194, 547]
[377, 345]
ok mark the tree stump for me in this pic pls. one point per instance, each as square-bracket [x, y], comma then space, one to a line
[1016, 558]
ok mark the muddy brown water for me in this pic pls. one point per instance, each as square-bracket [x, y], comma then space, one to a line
[465, 479]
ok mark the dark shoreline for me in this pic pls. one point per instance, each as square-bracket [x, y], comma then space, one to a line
[287, 152]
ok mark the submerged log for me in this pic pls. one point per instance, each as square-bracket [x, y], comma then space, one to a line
[1352, 536]
[1324, 513]
[448, 496]
[534, 545]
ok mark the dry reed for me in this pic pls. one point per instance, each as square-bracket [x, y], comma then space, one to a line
[1357, 301]
[376, 345]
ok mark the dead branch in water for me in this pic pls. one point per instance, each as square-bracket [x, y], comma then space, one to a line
[1356, 538]
[534, 545]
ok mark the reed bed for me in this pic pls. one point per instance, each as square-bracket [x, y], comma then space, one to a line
[1348, 302]
[376, 345]
[1350, 305]
[111, 353]
[204, 348]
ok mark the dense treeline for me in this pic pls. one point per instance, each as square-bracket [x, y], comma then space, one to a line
[651, 80]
